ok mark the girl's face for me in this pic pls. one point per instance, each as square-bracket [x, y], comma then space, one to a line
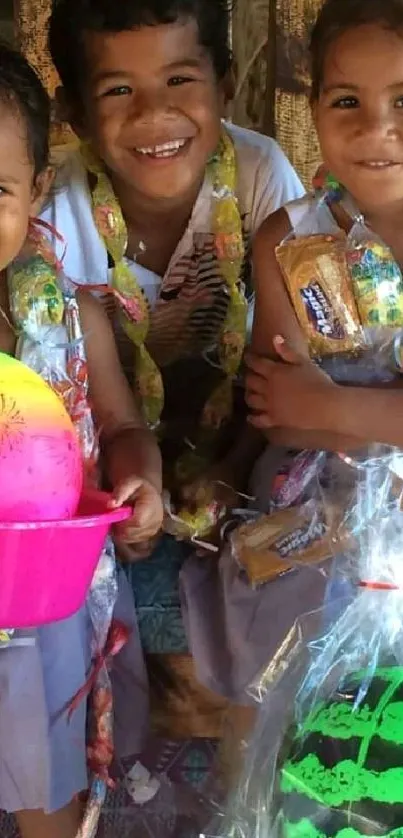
[359, 115]
[152, 108]
[19, 198]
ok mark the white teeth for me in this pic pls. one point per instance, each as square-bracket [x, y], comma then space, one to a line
[165, 150]
[378, 164]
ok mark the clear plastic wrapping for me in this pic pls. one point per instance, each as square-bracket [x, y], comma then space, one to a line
[325, 759]
[45, 311]
[347, 292]
[326, 755]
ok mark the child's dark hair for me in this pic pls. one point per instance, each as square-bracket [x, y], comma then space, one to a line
[71, 18]
[21, 89]
[339, 16]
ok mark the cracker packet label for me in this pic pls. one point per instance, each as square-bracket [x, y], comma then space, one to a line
[320, 312]
[272, 545]
[318, 282]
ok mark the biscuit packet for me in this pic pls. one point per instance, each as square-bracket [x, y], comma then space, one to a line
[272, 545]
[317, 278]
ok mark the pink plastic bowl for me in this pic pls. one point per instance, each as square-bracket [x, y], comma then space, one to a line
[46, 567]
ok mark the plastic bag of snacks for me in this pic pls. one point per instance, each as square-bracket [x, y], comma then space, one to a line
[45, 312]
[347, 292]
[326, 758]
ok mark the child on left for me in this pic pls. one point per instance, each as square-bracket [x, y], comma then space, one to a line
[42, 752]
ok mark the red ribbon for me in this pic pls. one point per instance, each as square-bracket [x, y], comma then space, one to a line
[34, 223]
[378, 586]
[118, 636]
[39, 222]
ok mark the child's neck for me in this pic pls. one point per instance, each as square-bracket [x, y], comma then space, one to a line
[158, 225]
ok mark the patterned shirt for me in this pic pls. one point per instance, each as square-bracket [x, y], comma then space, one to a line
[189, 303]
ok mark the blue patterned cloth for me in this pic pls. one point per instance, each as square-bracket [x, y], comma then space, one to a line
[155, 585]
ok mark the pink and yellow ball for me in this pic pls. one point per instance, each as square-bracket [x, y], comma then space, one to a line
[41, 468]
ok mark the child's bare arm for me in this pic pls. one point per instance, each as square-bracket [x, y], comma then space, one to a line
[131, 452]
[274, 315]
[302, 394]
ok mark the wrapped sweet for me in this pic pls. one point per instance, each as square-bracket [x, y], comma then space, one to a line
[347, 292]
[318, 281]
[272, 545]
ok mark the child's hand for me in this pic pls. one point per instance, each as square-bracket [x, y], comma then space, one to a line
[148, 511]
[289, 393]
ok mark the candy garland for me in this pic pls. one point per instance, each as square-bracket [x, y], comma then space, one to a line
[226, 225]
[227, 229]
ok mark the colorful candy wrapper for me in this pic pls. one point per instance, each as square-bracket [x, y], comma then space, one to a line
[269, 546]
[296, 477]
[376, 279]
[197, 526]
[347, 291]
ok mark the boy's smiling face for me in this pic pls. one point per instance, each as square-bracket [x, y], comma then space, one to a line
[152, 108]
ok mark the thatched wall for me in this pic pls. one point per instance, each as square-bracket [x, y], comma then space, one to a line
[270, 48]
[31, 17]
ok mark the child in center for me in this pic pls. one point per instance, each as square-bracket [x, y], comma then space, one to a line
[357, 104]
[160, 203]
[43, 764]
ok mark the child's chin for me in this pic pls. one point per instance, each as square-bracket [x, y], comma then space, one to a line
[168, 188]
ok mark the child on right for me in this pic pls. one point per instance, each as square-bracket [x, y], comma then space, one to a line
[357, 104]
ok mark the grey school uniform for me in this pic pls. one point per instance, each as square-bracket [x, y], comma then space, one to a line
[42, 746]
[43, 750]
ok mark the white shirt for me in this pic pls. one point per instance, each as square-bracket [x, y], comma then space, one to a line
[266, 181]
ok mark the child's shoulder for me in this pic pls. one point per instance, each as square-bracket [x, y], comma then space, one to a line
[68, 211]
[70, 174]
[299, 207]
[304, 216]
[266, 178]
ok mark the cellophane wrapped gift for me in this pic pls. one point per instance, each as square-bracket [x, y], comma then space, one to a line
[347, 292]
[325, 759]
[326, 756]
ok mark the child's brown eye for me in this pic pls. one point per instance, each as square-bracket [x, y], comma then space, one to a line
[176, 81]
[399, 102]
[121, 90]
[346, 102]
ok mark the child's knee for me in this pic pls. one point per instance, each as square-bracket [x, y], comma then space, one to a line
[64, 823]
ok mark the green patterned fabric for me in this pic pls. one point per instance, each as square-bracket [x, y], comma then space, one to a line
[155, 585]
